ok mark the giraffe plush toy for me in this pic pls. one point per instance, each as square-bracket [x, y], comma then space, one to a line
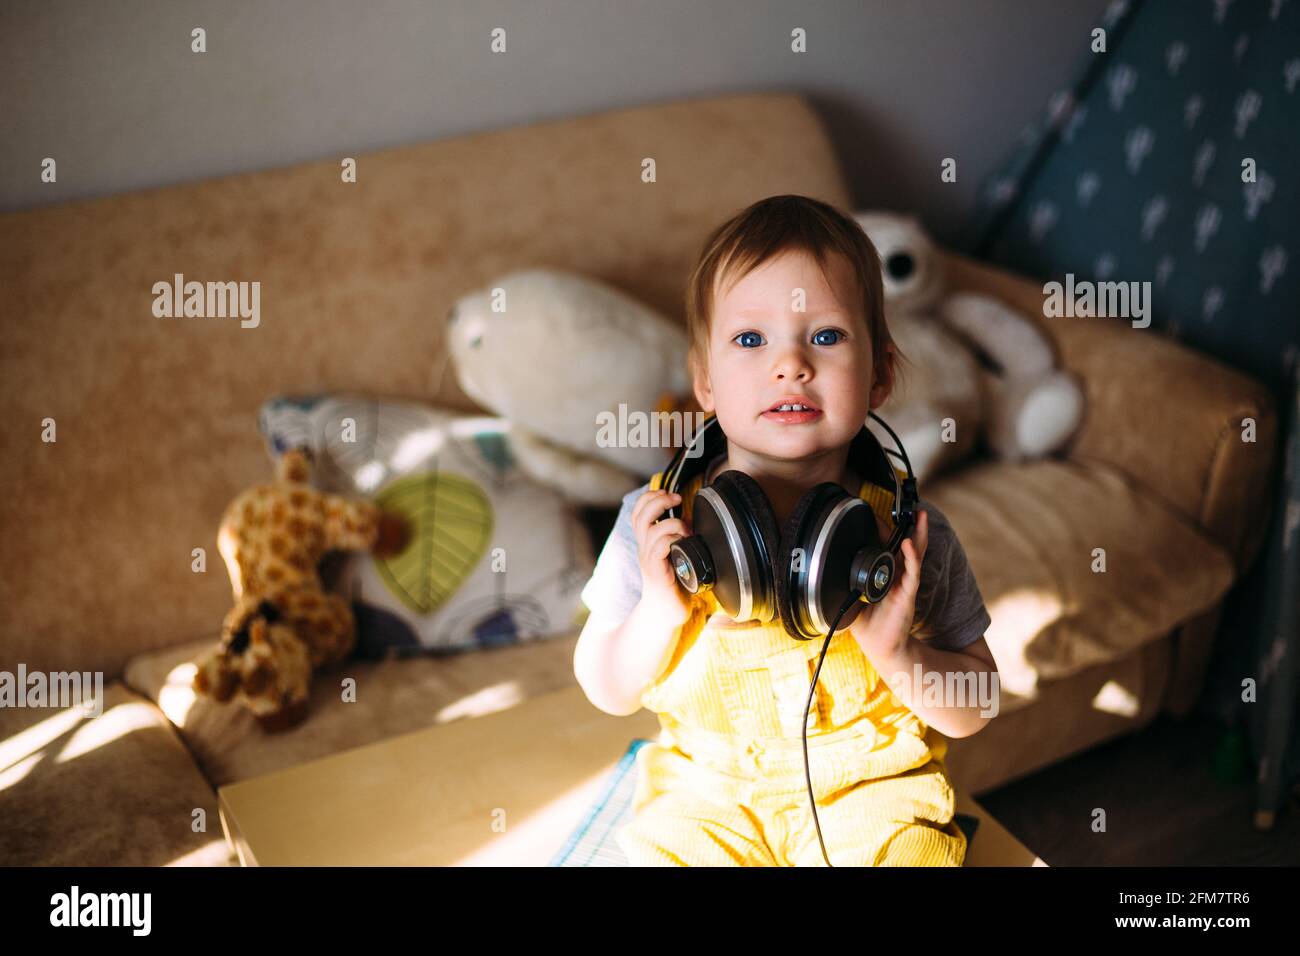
[284, 623]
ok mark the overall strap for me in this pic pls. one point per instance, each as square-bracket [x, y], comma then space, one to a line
[881, 499]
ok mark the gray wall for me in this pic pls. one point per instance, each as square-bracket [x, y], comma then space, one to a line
[112, 91]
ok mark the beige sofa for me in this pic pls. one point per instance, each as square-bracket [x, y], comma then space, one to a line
[155, 427]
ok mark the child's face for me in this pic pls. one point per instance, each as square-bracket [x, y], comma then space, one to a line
[761, 350]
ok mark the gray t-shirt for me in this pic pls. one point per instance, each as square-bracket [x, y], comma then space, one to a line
[950, 611]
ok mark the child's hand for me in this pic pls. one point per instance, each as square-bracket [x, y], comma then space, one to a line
[882, 630]
[659, 587]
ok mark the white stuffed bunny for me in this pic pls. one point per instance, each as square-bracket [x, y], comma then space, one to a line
[978, 365]
[557, 354]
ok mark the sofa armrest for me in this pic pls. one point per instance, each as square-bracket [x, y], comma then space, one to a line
[1165, 415]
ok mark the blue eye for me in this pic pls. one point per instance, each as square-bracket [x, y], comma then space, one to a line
[834, 332]
[743, 334]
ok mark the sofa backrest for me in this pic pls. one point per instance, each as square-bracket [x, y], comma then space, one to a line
[155, 418]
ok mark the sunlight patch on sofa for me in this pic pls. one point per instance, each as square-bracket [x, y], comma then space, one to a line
[116, 722]
[177, 694]
[215, 853]
[25, 743]
[12, 775]
[1114, 698]
[1019, 617]
[486, 701]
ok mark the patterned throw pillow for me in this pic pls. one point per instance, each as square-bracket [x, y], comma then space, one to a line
[494, 557]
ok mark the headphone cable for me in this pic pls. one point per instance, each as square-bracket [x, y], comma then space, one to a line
[812, 689]
[894, 435]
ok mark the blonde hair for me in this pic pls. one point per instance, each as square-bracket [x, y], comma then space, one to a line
[766, 229]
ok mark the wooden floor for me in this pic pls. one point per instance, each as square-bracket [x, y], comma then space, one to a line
[1164, 803]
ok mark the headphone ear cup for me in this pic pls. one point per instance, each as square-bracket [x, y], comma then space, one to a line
[876, 568]
[793, 584]
[834, 529]
[759, 533]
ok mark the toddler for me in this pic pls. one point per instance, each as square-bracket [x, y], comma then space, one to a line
[785, 307]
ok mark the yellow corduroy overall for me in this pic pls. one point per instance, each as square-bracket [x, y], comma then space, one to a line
[724, 784]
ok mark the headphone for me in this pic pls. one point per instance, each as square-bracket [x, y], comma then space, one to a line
[823, 564]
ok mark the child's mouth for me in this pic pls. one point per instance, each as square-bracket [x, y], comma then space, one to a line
[792, 413]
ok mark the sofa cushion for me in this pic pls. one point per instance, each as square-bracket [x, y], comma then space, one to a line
[118, 789]
[392, 696]
[1031, 533]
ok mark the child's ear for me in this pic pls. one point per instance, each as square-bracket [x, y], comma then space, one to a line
[883, 382]
[703, 389]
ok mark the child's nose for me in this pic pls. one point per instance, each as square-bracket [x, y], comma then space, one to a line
[795, 369]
